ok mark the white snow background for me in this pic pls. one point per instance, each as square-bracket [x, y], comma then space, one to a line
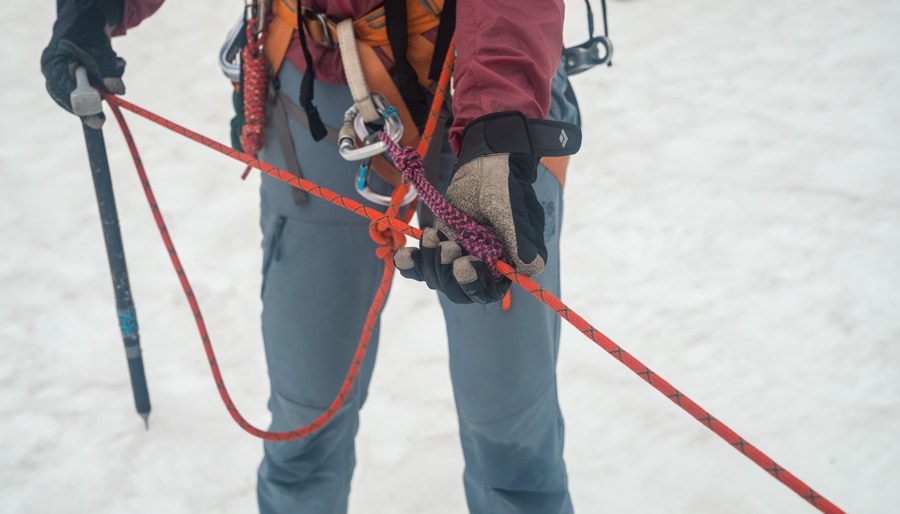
[733, 220]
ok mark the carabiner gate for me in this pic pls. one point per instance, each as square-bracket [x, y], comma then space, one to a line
[354, 127]
[364, 190]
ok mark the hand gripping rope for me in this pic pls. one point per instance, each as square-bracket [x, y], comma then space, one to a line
[384, 223]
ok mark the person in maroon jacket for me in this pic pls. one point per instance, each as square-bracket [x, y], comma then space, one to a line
[320, 271]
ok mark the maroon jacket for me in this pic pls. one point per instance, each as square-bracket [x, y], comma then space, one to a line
[507, 53]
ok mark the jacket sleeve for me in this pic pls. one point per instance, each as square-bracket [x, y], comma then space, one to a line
[507, 54]
[134, 12]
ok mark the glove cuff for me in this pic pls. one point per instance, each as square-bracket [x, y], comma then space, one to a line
[525, 140]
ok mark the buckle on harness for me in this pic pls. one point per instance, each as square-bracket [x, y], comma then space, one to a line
[355, 126]
[322, 20]
[587, 55]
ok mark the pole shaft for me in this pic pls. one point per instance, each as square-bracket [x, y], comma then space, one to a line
[109, 218]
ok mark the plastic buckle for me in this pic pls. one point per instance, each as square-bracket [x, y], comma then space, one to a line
[322, 20]
[364, 189]
[355, 126]
[587, 55]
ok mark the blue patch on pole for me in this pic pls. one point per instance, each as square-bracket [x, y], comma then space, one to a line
[128, 323]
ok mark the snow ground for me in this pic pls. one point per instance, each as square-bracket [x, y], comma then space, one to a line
[730, 221]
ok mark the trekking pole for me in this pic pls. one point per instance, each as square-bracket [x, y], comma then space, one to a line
[85, 101]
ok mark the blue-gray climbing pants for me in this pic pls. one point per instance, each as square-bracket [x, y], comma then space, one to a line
[320, 274]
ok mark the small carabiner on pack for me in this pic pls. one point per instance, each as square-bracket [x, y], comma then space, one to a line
[355, 127]
[587, 55]
[230, 53]
[363, 186]
[256, 10]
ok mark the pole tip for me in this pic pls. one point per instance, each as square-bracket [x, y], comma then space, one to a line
[146, 417]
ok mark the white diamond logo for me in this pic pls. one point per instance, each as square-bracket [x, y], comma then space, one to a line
[563, 138]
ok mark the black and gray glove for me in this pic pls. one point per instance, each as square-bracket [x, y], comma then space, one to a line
[492, 184]
[80, 38]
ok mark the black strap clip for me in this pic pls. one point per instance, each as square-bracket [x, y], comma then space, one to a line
[593, 52]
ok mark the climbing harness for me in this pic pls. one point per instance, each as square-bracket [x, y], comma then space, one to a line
[361, 42]
[593, 52]
[370, 116]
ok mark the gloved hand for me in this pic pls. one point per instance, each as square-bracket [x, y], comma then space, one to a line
[492, 184]
[80, 38]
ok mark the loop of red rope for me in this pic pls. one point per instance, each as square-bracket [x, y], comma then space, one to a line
[358, 356]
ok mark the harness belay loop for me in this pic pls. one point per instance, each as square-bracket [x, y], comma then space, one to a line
[254, 85]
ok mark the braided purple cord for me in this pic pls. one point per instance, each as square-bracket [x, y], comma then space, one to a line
[473, 237]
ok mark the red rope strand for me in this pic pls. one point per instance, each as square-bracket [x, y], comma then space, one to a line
[384, 220]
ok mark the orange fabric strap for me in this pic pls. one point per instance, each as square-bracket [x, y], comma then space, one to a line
[557, 166]
[423, 15]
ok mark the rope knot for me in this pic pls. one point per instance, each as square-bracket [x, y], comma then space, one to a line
[388, 239]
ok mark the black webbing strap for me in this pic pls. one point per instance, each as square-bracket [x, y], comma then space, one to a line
[396, 25]
[442, 41]
[316, 127]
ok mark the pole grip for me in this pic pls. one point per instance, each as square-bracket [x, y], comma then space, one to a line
[84, 98]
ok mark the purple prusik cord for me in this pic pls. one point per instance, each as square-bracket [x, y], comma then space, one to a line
[473, 237]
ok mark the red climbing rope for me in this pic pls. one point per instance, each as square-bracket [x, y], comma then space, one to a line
[384, 222]
[201, 325]
[383, 231]
[410, 163]
[660, 384]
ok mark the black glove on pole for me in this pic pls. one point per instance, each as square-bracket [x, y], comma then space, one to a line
[85, 101]
[80, 38]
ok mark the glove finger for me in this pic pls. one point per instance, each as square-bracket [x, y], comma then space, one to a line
[448, 253]
[434, 264]
[407, 261]
[430, 257]
[474, 279]
[103, 66]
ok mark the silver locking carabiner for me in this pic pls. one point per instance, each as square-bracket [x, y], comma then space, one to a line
[354, 128]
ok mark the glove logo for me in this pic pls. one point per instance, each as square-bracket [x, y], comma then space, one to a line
[563, 137]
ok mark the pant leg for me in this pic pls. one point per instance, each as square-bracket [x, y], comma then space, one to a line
[503, 369]
[320, 274]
